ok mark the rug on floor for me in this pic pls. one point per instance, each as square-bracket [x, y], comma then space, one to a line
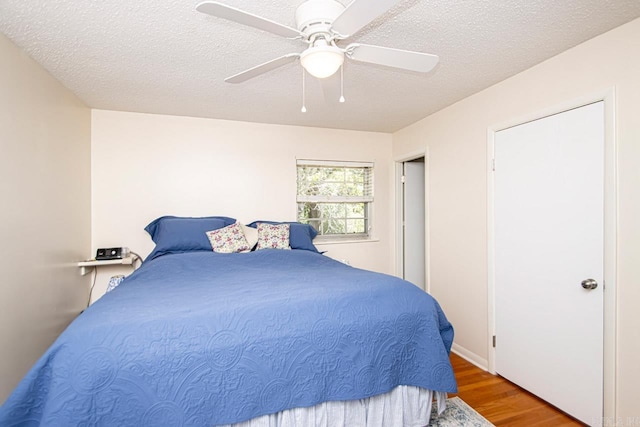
[457, 414]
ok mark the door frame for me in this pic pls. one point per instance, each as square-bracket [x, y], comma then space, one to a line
[610, 233]
[399, 211]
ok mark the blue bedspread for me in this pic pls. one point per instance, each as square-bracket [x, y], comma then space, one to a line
[200, 339]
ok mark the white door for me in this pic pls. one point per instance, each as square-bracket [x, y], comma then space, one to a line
[414, 223]
[549, 246]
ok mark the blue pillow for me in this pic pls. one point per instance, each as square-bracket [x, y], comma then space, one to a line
[300, 235]
[173, 234]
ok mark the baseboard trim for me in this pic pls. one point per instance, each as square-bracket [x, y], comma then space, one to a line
[470, 357]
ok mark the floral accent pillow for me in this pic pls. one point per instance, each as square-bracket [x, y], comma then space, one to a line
[229, 239]
[273, 236]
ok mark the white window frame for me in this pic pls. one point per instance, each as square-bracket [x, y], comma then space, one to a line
[368, 200]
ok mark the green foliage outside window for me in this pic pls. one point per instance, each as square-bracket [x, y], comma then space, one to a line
[335, 200]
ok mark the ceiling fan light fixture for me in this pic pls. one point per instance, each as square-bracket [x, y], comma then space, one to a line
[322, 60]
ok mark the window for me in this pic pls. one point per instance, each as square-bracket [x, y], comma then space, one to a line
[335, 197]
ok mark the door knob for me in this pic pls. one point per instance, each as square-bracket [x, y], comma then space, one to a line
[589, 284]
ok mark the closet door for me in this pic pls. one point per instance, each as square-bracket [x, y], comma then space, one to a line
[549, 256]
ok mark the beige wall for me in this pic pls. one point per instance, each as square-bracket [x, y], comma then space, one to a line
[456, 138]
[45, 216]
[145, 166]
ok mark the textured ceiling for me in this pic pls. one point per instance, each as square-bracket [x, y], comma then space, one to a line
[162, 56]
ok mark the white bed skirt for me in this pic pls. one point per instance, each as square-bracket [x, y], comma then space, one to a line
[403, 406]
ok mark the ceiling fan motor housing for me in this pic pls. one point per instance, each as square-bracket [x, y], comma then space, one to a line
[316, 16]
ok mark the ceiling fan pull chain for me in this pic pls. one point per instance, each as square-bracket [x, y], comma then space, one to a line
[342, 83]
[303, 109]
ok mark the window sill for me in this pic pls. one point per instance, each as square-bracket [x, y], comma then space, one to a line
[342, 241]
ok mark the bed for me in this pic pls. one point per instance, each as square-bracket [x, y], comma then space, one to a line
[264, 338]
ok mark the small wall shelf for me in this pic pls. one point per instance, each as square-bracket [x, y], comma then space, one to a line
[86, 266]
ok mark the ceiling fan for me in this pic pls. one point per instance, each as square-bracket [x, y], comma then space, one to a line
[322, 24]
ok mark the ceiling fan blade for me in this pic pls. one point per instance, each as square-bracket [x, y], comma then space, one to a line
[262, 68]
[358, 14]
[396, 58]
[245, 18]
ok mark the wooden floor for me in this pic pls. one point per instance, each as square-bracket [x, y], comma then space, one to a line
[502, 402]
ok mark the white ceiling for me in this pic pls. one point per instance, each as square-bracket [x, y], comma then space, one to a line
[162, 56]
